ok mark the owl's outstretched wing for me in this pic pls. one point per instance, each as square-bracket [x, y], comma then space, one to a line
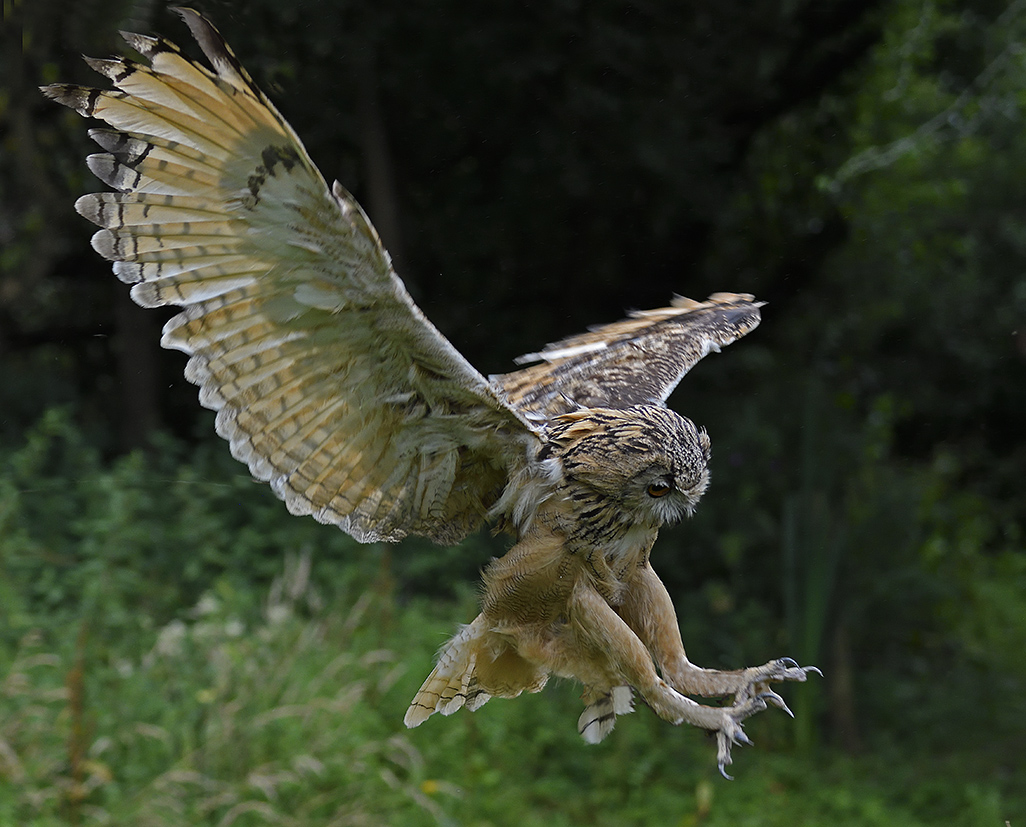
[636, 361]
[328, 381]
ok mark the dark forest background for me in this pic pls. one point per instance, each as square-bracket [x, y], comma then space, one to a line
[535, 168]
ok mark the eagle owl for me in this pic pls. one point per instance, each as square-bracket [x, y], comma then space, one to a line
[332, 386]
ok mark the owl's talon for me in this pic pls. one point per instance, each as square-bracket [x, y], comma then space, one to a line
[724, 741]
[753, 696]
[789, 670]
[773, 698]
[731, 732]
[782, 669]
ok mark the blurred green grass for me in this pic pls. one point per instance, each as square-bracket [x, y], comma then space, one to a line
[290, 713]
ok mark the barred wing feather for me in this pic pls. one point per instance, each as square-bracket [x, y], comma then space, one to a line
[328, 381]
[636, 361]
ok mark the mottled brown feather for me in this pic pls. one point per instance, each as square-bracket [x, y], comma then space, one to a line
[636, 361]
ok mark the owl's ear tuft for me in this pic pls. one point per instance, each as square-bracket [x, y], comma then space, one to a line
[705, 444]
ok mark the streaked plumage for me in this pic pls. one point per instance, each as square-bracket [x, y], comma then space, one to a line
[332, 386]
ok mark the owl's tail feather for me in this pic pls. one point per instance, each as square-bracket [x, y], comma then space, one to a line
[599, 717]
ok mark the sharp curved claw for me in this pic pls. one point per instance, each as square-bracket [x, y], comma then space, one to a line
[777, 701]
[752, 697]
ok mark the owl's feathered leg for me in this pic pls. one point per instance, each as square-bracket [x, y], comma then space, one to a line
[451, 684]
[648, 610]
[596, 634]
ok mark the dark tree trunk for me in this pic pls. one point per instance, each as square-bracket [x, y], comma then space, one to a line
[137, 339]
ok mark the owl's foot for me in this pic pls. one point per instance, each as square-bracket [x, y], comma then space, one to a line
[730, 732]
[754, 696]
[742, 684]
[755, 681]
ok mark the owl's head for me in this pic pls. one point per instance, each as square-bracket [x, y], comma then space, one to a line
[652, 462]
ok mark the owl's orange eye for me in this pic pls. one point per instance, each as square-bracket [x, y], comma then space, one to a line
[658, 489]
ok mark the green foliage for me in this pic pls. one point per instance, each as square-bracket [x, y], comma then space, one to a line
[140, 537]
